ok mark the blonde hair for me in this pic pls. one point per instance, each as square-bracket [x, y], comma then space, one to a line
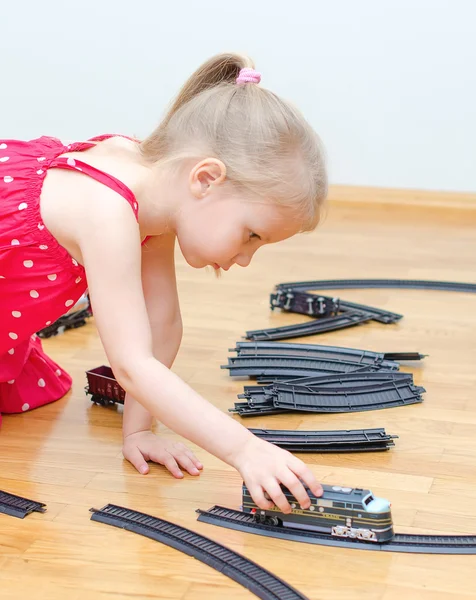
[267, 146]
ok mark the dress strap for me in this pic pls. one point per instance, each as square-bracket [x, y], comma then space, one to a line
[90, 143]
[73, 164]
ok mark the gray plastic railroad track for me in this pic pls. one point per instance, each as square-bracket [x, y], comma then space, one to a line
[313, 327]
[371, 397]
[347, 284]
[292, 291]
[341, 380]
[426, 544]
[258, 580]
[296, 366]
[16, 506]
[284, 397]
[303, 303]
[345, 440]
[320, 351]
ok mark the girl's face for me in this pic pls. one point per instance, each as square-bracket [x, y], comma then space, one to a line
[222, 230]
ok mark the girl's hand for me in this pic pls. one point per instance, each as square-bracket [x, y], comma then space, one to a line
[264, 467]
[142, 446]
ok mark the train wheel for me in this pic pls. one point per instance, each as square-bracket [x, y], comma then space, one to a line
[98, 400]
[273, 521]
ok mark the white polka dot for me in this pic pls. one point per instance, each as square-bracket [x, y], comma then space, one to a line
[34, 294]
[15, 243]
[25, 407]
[11, 351]
[48, 323]
[78, 169]
[4, 158]
[39, 172]
[11, 381]
[71, 162]
[8, 179]
[135, 205]
[69, 303]
[52, 277]
[58, 372]
[22, 206]
[13, 336]
[41, 226]
[77, 280]
[3, 146]
[41, 158]
[41, 382]
[2, 277]
[16, 314]
[28, 264]
[43, 247]
[75, 262]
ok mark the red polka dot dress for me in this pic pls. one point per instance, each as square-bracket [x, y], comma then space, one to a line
[39, 280]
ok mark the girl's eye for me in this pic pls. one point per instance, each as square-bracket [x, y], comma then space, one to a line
[254, 235]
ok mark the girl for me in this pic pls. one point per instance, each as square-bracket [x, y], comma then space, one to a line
[231, 167]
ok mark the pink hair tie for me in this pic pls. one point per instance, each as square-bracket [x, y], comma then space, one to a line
[248, 75]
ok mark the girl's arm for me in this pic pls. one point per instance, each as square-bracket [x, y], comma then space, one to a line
[111, 255]
[160, 293]
[163, 309]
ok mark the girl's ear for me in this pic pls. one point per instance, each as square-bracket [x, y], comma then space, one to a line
[207, 172]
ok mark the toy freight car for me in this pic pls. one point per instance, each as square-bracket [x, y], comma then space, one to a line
[340, 511]
[103, 386]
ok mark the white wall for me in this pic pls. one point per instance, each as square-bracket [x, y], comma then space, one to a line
[389, 85]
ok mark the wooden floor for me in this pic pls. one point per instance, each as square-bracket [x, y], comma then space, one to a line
[69, 454]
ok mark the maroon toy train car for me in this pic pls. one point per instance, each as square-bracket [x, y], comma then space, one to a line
[103, 387]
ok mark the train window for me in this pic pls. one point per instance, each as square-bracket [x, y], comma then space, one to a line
[339, 504]
[368, 500]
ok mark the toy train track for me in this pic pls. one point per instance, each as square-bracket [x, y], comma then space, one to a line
[313, 327]
[303, 303]
[338, 381]
[412, 284]
[372, 397]
[294, 296]
[298, 366]
[425, 544]
[258, 580]
[320, 351]
[352, 440]
[300, 398]
[259, 393]
[16, 506]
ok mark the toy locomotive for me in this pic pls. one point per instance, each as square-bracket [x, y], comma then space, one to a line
[340, 511]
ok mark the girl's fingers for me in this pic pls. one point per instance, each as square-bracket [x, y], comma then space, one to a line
[134, 456]
[182, 449]
[293, 484]
[304, 473]
[187, 463]
[258, 496]
[276, 494]
[171, 464]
